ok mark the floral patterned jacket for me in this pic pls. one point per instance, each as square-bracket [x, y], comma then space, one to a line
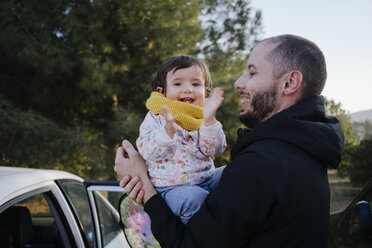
[185, 159]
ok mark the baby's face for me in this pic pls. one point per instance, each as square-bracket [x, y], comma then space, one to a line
[186, 85]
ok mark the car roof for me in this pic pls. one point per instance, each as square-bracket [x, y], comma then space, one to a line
[16, 180]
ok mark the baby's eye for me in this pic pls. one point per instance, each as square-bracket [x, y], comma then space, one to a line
[196, 84]
[177, 83]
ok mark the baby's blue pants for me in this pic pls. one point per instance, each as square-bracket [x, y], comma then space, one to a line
[185, 200]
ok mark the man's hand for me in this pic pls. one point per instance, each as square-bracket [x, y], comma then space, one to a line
[170, 125]
[129, 164]
[211, 105]
[133, 187]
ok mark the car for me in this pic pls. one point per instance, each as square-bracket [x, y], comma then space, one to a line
[51, 208]
[352, 226]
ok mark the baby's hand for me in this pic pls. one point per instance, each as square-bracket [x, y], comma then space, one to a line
[211, 105]
[170, 126]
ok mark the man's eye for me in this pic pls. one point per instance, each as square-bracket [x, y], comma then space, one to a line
[251, 74]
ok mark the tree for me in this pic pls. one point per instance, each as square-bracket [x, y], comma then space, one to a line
[335, 109]
[35, 141]
[343, 116]
[227, 43]
[360, 159]
[40, 94]
[357, 157]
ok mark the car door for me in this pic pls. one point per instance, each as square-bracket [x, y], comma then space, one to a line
[98, 219]
[104, 197]
[39, 217]
[342, 233]
[119, 220]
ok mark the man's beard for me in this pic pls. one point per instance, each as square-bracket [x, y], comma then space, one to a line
[263, 103]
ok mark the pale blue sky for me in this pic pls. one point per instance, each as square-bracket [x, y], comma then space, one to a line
[343, 31]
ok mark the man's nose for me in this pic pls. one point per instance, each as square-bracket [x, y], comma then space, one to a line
[239, 85]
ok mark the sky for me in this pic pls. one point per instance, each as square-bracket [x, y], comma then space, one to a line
[343, 31]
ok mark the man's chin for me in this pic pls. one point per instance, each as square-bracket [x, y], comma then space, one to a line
[243, 112]
[249, 119]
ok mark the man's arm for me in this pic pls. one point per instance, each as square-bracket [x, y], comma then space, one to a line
[231, 215]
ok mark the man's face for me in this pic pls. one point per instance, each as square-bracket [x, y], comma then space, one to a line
[258, 87]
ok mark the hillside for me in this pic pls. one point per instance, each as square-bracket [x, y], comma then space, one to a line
[361, 116]
[361, 127]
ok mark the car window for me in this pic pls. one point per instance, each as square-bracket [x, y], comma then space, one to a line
[368, 196]
[78, 199]
[30, 223]
[37, 205]
[108, 219]
[365, 195]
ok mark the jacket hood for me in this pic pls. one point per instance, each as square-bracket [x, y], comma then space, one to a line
[303, 125]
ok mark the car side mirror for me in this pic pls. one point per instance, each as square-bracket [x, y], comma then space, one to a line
[136, 224]
[361, 218]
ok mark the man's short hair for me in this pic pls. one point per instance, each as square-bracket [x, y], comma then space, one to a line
[297, 53]
[181, 62]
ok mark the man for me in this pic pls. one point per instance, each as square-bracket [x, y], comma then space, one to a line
[275, 191]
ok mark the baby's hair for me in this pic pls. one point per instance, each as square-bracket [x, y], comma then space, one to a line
[180, 62]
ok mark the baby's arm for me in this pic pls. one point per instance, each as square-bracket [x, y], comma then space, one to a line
[154, 143]
[170, 122]
[212, 140]
[211, 105]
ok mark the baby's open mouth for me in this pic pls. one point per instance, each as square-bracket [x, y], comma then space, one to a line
[187, 99]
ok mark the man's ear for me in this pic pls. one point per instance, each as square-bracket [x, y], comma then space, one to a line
[292, 82]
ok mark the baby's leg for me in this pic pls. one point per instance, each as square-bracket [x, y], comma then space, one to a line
[212, 183]
[184, 200]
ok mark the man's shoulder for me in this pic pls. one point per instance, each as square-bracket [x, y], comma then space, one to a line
[262, 156]
[262, 148]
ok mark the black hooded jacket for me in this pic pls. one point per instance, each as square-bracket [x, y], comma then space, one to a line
[275, 191]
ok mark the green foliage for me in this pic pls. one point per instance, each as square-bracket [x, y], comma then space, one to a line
[126, 123]
[343, 116]
[226, 46]
[231, 26]
[228, 113]
[31, 140]
[37, 67]
[335, 109]
[359, 158]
